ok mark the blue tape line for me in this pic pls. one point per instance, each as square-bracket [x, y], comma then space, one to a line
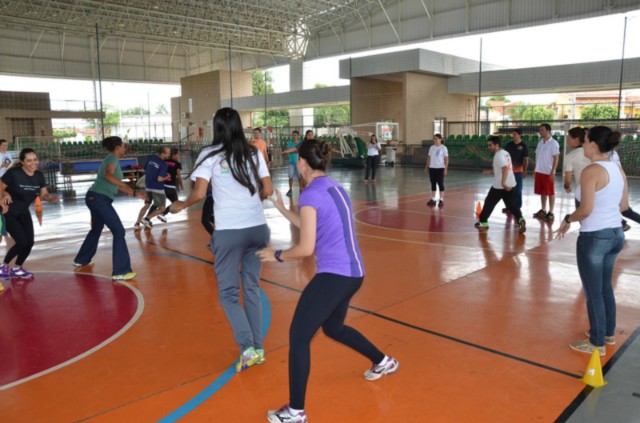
[205, 394]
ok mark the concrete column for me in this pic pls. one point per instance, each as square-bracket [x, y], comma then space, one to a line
[296, 83]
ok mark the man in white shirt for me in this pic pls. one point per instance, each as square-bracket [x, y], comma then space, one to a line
[502, 188]
[547, 157]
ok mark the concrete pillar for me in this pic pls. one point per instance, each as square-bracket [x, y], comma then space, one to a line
[296, 83]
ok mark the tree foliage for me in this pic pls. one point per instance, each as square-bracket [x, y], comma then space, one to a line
[331, 115]
[162, 110]
[135, 111]
[538, 114]
[600, 111]
[260, 80]
[111, 119]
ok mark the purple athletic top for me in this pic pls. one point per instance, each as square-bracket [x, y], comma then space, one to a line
[336, 244]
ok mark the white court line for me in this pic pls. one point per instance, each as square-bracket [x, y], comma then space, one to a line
[104, 343]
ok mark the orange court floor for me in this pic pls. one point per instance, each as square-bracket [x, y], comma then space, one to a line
[480, 323]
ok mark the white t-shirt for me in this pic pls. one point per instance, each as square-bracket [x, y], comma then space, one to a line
[5, 160]
[575, 161]
[545, 151]
[234, 206]
[501, 159]
[437, 155]
[373, 149]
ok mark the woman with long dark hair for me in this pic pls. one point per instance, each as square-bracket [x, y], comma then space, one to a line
[326, 230]
[99, 200]
[373, 159]
[20, 186]
[603, 194]
[239, 181]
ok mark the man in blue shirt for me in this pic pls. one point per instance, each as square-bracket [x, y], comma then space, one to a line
[292, 150]
[155, 175]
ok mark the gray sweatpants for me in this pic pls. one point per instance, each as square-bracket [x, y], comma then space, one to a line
[236, 261]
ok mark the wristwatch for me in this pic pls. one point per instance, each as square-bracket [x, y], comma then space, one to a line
[277, 255]
[567, 219]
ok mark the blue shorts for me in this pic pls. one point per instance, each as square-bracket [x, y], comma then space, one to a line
[293, 171]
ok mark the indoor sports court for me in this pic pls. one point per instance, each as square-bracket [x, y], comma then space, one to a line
[480, 323]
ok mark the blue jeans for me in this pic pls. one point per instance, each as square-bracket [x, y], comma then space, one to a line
[596, 254]
[103, 213]
[518, 176]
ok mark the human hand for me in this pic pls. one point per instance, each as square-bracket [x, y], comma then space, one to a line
[266, 254]
[562, 230]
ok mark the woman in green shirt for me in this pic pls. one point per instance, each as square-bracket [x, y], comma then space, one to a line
[99, 200]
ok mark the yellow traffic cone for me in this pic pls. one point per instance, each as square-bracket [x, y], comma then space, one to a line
[593, 374]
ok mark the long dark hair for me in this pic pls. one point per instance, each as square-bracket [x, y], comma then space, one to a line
[316, 153]
[605, 137]
[23, 155]
[238, 153]
[579, 133]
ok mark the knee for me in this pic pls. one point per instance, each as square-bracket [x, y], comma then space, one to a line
[332, 332]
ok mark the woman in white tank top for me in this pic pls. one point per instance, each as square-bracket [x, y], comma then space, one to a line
[603, 187]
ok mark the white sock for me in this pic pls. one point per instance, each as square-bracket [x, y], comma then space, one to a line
[294, 412]
[384, 361]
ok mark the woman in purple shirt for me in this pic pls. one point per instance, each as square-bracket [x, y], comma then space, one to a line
[326, 229]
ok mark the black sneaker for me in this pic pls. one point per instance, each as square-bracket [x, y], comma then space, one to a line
[549, 217]
[289, 193]
[540, 214]
[431, 202]
[441, 203]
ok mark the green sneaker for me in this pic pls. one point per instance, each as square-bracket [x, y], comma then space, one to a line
[522, 225]
[247, 359]
[261, 359]
[124, 277]
[482, 226]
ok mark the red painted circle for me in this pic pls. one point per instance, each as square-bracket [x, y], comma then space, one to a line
[55, 317]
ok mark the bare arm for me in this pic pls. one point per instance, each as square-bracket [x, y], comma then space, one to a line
[197, 193]
[111, 178]
[552, 175]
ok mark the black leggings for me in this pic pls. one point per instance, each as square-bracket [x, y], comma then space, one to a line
[372, 164]
[172, 195]
[323, 303]
[20, 227]
[436, 176]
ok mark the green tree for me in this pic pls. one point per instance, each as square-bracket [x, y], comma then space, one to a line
[518, 110]
[600, 111]
[499, 98]
[258, 83]
[111, 119]
[162, 110]
[64, 133]
[538, 114]
[331, 115]
[135, 111]
[274, 118]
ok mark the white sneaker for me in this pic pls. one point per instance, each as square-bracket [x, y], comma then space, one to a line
[284, 415]
[377, 371]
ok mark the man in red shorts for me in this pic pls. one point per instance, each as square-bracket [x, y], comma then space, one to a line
[547, 156]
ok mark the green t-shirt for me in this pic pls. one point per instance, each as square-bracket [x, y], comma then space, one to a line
[101, 185]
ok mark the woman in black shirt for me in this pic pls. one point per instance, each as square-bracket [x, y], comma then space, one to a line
[20, 186]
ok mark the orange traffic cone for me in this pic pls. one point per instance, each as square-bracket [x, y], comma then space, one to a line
[478, 209]
[39, 210]
[593, 374]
